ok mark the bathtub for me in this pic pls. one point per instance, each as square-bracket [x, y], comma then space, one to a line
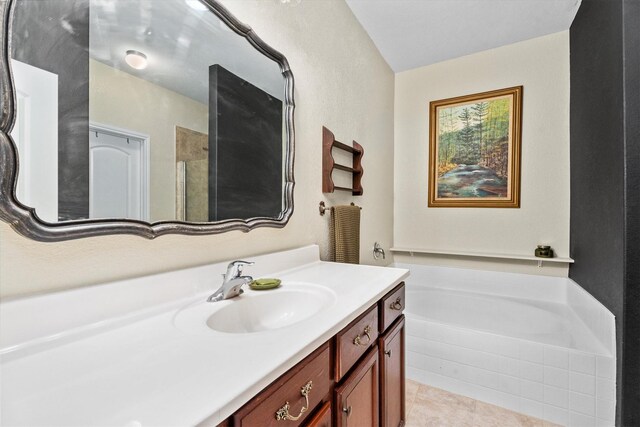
[536, 345]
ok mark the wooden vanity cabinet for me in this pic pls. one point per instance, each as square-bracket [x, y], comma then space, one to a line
[357, 377]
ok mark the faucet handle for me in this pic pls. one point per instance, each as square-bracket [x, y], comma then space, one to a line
[240, 263]
[234, 269]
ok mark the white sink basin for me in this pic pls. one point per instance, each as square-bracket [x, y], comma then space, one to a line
[256, 311]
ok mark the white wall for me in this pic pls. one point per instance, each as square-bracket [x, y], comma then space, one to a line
[117, 99]
[341, 81]
[541, 65]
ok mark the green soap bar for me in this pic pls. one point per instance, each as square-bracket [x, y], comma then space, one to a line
[263, 284]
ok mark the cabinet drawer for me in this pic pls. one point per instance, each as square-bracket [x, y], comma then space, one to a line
[285, 395]
[391, 307]
[354, 340]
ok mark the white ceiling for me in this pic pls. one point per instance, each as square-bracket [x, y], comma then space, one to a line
[414, 33]
[180, 43]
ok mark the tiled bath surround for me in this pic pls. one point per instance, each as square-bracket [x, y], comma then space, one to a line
[562, 384]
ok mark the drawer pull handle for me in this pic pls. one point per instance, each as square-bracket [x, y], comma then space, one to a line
[397, 304]
[347, 410]
[367, 332]
[283, 413]
[388, 353]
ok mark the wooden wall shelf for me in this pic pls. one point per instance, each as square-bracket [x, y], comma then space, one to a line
[329, 164]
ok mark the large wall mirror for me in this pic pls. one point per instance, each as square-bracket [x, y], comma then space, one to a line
[141, 116]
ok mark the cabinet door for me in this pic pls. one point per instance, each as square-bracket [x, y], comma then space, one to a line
[392, 399]
[357, 397]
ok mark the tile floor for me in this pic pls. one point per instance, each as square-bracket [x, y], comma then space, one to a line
[432, 407]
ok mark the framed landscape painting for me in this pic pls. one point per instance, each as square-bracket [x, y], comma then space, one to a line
[474, 150]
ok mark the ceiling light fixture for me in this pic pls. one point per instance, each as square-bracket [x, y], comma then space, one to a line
[196, 5]
[135, 59]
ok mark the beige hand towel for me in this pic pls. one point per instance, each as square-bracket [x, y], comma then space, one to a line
[344, 234]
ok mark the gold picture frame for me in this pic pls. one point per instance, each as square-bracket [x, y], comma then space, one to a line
[474, 150]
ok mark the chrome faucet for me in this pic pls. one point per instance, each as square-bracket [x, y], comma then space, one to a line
[232, 282]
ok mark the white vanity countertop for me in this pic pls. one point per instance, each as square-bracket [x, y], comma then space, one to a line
[64, 364]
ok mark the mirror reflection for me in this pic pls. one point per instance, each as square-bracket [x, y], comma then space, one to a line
[143, 109]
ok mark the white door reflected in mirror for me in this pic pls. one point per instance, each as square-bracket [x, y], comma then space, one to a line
[35, 133]
[117, 180]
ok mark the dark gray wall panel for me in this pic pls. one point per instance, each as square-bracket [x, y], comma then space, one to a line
[631, 351]
[54, 35]
[604, 176]
[213, 145]
[597, 157]
[245, 149]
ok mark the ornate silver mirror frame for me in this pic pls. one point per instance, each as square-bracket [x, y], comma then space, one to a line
[26, 222]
